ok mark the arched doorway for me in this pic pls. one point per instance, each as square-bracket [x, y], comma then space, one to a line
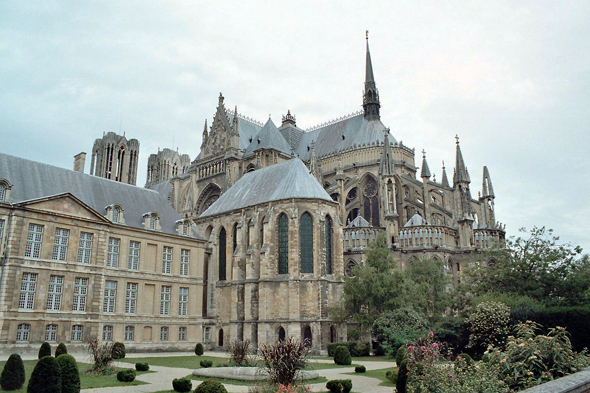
[307, 335]
[281, 334]
[220, 338]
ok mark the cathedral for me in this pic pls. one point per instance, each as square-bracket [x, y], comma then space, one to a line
[250, 240]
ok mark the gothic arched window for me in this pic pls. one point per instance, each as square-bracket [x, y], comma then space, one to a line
[222, 254]
[281, 334]
[371, 202]
[306, 243]
[235, 237]
[283, 244]
[307, 335]
[328, 245]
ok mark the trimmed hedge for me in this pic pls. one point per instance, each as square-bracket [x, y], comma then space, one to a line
[210, 386]
[206, 363]
[61, 349]
[182, 385]
[70, 375]
[339, 385]
[356, 348]
[118, 351]
[126, 375]
[199, 349]
[401, 359]
[13, 375]
[342, 356]
[46, 376]
[360, 369]
[142, 366]
[44, 350]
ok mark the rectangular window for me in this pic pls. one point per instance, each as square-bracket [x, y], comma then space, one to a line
[182, 333]
[164, 333]
[54, 291]
[85, 248]
[113, 252]
[51, 333]
[165, 300]
[183, 301]
[80, 294]
[34, 239]
[60, 244]
[23, 332]
[110, 293]
[77, 332]
[27, 291]
[131, 298]
[167, 260]
[133, 263]
[184, 262]
[2, 192]
[1, 231]
[129, 333]
[107, 333]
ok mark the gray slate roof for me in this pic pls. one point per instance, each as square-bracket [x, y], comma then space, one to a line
[269, 137]
[246, 130]
[289, 179]
[32, 180]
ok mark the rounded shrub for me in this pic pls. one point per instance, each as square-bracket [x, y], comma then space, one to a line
[339, 385]
[13, 375]
[342, 356]
[118, 350]
[142, 366]
[391, 375]
[46, 376]
[199, 349]
[61, 349]
[206, 363]
[44, 350]
[70, 375]
[182, 385]
[126, 375]
[210, 386]
[402, 353]
[360, 369]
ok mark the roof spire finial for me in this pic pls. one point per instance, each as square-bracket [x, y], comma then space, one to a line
[423, 153]
[371, 102]
[367, 34]
[457, 138]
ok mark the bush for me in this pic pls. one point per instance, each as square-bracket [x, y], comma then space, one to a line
[360, 369]
[206, 363]
[391, 375]
[395, 328]
[240, 353]
[468, 359]
[490, 324]
[118, 351]
[284, 359]
[46, 376]
[182, 385]
[356, 348]
[339, 385]
[210, 386]
[100, 353]
[199, 349]
[44, 350]
[342, 356]
[13, 375]
[142, 366]
[70, 375]
[61, 349]
[126, 375]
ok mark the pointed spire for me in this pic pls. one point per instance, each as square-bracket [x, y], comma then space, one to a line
[445, 179]
[235, 122]
[425, 170]
[461, 173]
[487, 188]
[371, 102]
[205, 134]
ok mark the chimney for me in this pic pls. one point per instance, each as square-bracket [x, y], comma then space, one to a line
[79, 162]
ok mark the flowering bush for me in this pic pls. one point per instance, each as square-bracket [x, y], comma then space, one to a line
[490, 324]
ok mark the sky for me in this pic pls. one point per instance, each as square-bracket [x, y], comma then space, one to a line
[511, 79]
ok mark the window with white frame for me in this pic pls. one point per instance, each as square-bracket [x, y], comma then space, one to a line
[34, 240]
[184, 262]
[165, 300]
[85, 248]
[133, 263]
[167, 260]
[80, 294]
[164, 333]
[110, 294]
[182, 333]
[1, 231]
[51, 333]
[129, 333]
[154, 220]
[77, 331]
[131, 298]
[23, 332]
[60, 244]
[107, 333]
[183, 301]
[54, 292]
[116, 214]
[27, 291]
[113, 252]
[2, 192]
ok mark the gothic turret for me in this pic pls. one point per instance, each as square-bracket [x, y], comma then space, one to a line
[445, 179]
[371, 103]
[461, 173]
[465, 216]
[487, 200]
[487, 189]
[425, 173]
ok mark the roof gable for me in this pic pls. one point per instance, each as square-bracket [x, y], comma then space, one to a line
[269, 137]
[65, 203]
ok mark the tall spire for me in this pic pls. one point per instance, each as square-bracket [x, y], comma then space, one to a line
[205, 134]
[487, 189]
[445, 179]
[371, 102]
[425, 170]
[461, 174]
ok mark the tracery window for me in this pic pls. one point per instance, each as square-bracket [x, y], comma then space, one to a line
[222, 254]
[283, 244]
[306, 243]
[328, 245]
[371, 202]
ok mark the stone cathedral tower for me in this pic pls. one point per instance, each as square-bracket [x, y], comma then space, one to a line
[114, 157]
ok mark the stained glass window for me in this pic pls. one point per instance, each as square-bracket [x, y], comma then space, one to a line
[328, 245]
[283, 244]
[306, 243]
[222, 254]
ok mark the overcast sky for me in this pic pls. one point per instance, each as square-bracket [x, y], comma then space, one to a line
[512, 79]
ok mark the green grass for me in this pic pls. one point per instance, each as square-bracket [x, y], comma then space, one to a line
[325, 366]
[190, 362]
[86, 381]
[377, 374]
[248, 383]
[359, 359]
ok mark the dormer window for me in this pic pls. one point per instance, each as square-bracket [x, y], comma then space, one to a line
[4, 190]
[183, 227]
[115, 214]
[151, 220]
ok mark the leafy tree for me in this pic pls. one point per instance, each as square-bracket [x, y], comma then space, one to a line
[397, 327]
[427, 288]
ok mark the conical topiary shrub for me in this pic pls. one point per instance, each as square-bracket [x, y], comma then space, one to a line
[70, 375]
[118, 351]
[44, 350]
[13, 375]
[61, 349]
[46, 377]
[342, 356]
[199, 350]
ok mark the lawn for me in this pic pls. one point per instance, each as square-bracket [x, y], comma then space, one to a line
[377, 374]
[190, 362]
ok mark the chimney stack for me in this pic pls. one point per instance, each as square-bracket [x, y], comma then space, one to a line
[79, 162]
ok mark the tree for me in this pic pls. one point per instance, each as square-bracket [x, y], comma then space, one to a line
[538, 267]
[395, 328]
